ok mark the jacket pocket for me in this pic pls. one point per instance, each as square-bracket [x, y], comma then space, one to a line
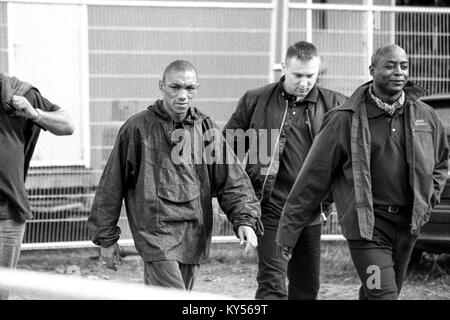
[179, 214]
[178, 202]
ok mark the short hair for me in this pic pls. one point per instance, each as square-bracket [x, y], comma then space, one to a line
[179, 65]
[302, 50]
[380, 51]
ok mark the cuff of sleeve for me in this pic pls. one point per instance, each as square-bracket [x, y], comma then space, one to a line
[104, 236]
[255, 224]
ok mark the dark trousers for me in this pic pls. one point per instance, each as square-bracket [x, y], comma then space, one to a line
[382, 262]
[170, 274]
[302, 271]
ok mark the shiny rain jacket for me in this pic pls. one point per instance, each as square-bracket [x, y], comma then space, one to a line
[168, 203]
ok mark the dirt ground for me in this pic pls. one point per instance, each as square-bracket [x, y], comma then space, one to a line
[232, 273]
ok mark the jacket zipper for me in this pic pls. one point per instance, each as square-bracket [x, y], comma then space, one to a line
[276, 148]
[310, 127]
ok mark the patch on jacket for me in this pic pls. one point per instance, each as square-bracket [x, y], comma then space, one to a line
[420, 122]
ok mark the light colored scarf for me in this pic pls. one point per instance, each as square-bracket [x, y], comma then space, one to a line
[390, 109]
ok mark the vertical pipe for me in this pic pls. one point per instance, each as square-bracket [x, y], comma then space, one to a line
[10, 26]
[369, 35]
[273, 40]
[392, 24]
[84, 52]
[309, 24]
[285, 28]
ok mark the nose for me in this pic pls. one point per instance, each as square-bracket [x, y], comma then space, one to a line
[303, 82]
[398, 70]
[183, 95]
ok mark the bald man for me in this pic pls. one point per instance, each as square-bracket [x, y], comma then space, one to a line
[385, 155]
[167, 194]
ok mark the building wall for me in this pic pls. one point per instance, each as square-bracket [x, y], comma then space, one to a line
[230, 48]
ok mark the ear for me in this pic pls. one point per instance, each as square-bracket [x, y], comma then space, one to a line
[161, 85]
[371, 70]
[283, 67]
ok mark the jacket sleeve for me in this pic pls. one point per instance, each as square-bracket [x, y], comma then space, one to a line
[233, 189]
[312, 183]
[440, 171]
[120, 172]
[240, 119]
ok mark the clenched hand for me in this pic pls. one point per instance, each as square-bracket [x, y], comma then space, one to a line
[24, 108]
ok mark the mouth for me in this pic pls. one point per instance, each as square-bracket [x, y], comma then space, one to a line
[182, 107]
[397, 82]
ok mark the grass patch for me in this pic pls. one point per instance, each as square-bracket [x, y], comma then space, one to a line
[335, 258]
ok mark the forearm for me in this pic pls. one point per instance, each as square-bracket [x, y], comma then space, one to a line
[57, 122]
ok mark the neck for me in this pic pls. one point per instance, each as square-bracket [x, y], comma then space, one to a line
[386, 97]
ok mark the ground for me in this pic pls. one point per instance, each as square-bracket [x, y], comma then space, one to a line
[232, 273]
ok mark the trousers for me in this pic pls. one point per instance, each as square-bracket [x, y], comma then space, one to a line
[302, 271]
[171, 274]
[381, 263]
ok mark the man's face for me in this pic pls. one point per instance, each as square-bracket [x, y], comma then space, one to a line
[178, 91]
[300, 76]
[391, 71]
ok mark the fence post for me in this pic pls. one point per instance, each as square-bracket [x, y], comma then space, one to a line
[309, 23]
[369, 35]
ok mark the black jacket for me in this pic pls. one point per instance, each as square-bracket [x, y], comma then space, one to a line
[342, 161]
[268, 108]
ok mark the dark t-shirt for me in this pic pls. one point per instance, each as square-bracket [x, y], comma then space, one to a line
[388, 166]
[17, 137]
[298, 143]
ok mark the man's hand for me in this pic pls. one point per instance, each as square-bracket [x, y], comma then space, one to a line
[247, 235]
[285, 252]
[110, 256]
[24, 108]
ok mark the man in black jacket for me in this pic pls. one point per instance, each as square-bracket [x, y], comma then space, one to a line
[387, 167]
[285, 116]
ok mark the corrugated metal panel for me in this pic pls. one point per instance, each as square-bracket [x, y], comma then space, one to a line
[3, 38]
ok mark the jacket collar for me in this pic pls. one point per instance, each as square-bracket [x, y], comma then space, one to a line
[193, 113]
[412, 93]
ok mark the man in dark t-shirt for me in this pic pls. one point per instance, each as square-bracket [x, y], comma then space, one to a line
[23, 112]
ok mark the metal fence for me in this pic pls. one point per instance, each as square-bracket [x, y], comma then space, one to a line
[346, 36]
[236, 46]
